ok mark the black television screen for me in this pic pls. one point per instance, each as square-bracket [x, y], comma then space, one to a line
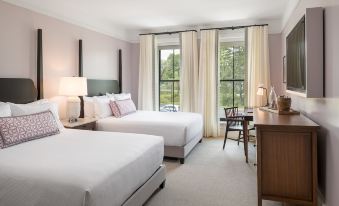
[295, 58]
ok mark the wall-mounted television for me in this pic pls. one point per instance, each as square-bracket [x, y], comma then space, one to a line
[296, 58]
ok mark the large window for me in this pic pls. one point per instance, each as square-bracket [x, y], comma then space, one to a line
[232, 74]
[169, 76]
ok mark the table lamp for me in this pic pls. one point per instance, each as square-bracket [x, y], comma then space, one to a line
[73, 87]
[260, 92]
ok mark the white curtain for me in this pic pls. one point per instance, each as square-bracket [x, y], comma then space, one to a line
[208, 82]
[189, 77]
[146, 73]
[258, 63]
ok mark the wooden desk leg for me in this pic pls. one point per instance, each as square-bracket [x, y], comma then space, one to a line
[246, 139]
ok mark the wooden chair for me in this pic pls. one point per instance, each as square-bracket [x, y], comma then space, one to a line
[234, 122]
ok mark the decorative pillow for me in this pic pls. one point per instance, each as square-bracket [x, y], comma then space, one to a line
[125, 107]
[89, 107]
[19, 129]
[5, 111]
[115, 109]
[101, 107]
[36, 107]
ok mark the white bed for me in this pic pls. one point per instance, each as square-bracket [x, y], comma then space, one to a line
[81, 168]
[181, 130]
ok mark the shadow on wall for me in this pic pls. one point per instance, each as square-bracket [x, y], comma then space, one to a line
[325, 112]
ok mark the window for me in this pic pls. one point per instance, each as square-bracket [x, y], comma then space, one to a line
[232, 74]
[169, 79]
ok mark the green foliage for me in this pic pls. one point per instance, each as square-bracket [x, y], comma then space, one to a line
[232, 55]
[170, 70]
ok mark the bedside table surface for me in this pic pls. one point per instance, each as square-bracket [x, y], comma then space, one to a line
[81, 121]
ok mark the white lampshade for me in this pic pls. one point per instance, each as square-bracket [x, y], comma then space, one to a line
[73, 86]
[260, 90]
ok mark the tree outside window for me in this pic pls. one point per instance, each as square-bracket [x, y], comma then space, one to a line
[232, 74]
[169, 79]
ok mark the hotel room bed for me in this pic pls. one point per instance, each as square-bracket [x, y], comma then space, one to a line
[181, 131]
[81, 168]
[77, 167]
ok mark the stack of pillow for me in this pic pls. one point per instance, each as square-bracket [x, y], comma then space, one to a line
[24, 122]
[117, 105]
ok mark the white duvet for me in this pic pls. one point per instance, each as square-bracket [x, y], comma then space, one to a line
[177, 128]
[78, 168]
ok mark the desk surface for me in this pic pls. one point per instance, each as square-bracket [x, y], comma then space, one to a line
[264, 118]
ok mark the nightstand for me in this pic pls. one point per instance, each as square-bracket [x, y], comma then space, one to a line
[82, 123]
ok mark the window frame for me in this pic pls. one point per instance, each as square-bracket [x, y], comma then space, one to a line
[173, 81]
[233, 80]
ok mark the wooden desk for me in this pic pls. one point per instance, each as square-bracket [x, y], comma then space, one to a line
[287, 158]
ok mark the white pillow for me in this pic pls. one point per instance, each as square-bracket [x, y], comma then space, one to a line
[36, 107]
[101, 107]
[5, 110]
[110, 95]
[89, 107]
[122, 96]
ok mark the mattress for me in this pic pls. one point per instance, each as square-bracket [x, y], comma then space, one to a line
[177, 128]
[78, 168]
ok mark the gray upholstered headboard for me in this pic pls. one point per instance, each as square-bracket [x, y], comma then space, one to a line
[17, 90]
[97, 87]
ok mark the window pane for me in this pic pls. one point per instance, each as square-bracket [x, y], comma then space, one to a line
[239, 62]
[226, 94]
[166, 93]
[177, 64]
[226, 62]
[166, 64]
[176, 96]
[239, 94]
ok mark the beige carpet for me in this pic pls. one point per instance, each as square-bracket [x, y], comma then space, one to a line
[211, 177]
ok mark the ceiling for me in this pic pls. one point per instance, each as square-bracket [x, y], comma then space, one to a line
[124, 19]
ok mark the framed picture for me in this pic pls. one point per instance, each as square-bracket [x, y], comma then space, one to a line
[284, 70]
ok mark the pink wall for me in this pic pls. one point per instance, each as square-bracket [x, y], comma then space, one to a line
[60, 50]
[324, 111]
[276, 70]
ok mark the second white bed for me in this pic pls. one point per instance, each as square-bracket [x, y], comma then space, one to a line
[180, 130]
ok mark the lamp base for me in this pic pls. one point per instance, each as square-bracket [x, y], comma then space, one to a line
[73, 109]
[72, 120]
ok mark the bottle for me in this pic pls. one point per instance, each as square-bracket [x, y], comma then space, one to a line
[272, 100]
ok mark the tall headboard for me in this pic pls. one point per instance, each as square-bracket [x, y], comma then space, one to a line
[97, 87]
[17, 90]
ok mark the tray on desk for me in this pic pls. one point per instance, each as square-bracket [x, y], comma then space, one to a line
[291, 112]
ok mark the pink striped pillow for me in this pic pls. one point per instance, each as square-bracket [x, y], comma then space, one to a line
[115, 109]
[125, 107]
[19, 129]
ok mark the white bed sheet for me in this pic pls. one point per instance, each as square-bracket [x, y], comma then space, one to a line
[78, 168]
[177, 128]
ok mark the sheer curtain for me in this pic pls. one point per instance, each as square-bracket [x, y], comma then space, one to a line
[258, 63]
[208, 81]
[189, 77]
[146, 73]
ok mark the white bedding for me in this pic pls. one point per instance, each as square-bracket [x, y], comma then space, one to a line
[78, 168]
[177, 128]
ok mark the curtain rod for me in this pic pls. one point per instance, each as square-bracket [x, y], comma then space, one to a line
[234, 27]
[168, 32]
